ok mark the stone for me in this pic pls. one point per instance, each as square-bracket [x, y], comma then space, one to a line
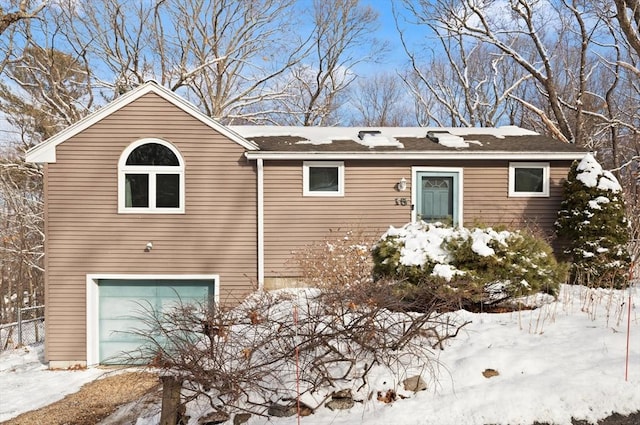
[346, 393]
[339, 404]
[285, 410]
[415, 384]
[241, 418]
[213, 418]
[282, 410]
[340, 400]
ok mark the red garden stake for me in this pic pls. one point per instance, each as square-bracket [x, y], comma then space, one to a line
[295, 323]
[626, 361]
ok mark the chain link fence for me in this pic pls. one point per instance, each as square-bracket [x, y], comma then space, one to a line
[29, 328]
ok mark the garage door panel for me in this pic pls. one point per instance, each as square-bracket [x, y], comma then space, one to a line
[125, 306]
[113, 351]
[117, 307]
[123, 329]
[128, 288]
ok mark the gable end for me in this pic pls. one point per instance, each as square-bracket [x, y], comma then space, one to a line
[45, 152]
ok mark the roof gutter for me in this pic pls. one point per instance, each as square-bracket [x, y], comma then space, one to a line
[425, 155]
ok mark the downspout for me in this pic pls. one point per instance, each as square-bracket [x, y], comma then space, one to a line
[260, 169]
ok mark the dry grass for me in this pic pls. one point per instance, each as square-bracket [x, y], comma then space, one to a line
[95, 401]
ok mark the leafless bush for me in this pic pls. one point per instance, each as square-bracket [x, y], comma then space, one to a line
[281, 345]
[341, 259]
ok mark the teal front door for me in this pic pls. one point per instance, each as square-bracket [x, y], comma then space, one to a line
[437, 197]
[126, 308]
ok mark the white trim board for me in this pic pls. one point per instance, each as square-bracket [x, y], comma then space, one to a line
[423, 155]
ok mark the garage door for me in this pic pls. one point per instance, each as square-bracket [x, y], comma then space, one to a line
[123, 305]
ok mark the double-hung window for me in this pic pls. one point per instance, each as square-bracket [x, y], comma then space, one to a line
[151, 178]
[323, 178]
[529, 179]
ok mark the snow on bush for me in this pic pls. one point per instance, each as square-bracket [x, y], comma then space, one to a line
[593, 225]
[479, 265]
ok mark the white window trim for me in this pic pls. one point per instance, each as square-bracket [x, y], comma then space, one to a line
[545, 179]
[93, 301]
[151, 171]
[305, 178]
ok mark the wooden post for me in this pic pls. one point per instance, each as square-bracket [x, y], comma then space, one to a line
[171, 412]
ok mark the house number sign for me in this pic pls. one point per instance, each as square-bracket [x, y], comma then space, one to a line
[402, 201]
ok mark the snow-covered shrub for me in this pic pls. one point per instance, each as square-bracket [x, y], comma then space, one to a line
[593, 225]
[470, 267]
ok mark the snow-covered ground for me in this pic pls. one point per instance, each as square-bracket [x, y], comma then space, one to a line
[564, 359]
[26, 383]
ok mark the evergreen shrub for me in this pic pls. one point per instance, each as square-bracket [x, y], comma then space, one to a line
[469, 267]
[593, 225]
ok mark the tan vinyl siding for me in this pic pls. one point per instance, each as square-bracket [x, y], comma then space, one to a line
[86, 235]
[487, 201]
[292, 221]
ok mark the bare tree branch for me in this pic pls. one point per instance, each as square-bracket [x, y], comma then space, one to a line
[24, 11]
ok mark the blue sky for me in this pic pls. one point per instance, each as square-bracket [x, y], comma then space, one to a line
[396, 57]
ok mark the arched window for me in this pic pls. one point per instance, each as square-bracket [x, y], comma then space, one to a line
[151, 178]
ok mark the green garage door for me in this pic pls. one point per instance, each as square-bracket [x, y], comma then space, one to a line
[124, 303]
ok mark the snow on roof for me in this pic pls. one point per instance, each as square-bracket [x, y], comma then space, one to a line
[447, 139]
[371, 139]
[379, 136]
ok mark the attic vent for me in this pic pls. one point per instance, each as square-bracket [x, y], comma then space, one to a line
[435, 135]
[375, 138]
[363, 133]
[447, 139]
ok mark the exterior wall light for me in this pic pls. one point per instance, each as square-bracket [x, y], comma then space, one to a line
[149, 247]
[402, 185]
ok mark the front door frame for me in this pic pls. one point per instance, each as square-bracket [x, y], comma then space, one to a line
[458, 192]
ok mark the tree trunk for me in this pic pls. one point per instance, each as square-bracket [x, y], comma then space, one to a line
[171, 412]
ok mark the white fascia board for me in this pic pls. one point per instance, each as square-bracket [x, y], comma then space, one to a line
[538, 156]
[41, 154]
[46, 151]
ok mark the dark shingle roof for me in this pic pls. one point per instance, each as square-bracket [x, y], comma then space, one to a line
[458, 142]
[527, 143]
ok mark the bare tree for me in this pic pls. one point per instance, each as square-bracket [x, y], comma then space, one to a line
[341, 39]
[11, 15]
[576, 62]
[43, 90]
[470, 85]
[21, 236]
[219, 54]
[18, 11]
[380, 100]
[46, 91]
[628, 16]
[534, 37]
